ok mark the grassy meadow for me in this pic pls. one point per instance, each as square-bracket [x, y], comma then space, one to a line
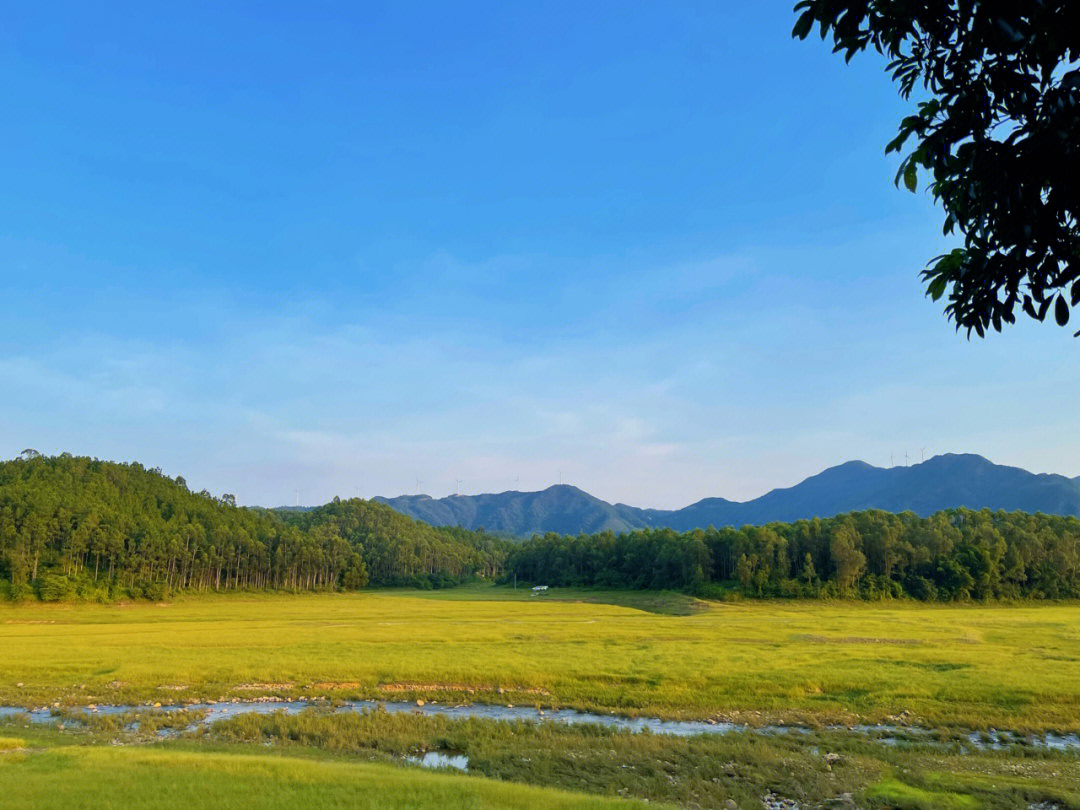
[1015, 666]
[812, 768]
[165, 777]
[318, 759]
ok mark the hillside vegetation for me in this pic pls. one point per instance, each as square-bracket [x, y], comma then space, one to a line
[75, 526]
[80, 527]
[957, 554]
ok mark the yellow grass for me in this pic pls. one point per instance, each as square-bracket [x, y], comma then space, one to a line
[1005, 666]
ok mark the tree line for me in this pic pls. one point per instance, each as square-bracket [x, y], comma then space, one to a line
[398, 550]
[956, 554]
[75, 526]
[80, 527]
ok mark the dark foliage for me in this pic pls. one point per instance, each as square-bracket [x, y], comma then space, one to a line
[72, 526]
[956, 554]
[400, 551]
[999, 133]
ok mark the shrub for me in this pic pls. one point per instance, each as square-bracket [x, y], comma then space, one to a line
[55, 588]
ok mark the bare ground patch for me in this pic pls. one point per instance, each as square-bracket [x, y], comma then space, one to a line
[857, 640]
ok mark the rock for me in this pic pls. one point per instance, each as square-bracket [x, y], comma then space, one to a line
[19, 685]
[730, 805]
[419, 702]
[833, 759]
[771, 801]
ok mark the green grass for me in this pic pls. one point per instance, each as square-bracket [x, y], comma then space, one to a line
[1005, 666]
[170, 777]
[816, 769]
[703, 771]
[901, 795]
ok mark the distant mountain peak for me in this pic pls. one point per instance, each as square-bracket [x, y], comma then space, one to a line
[941, 482]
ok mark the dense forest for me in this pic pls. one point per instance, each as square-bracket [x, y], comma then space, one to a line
[79, 527]
[956, 554]
[74, 526]
[398, 550]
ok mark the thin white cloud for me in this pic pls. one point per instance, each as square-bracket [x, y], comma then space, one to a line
[656, 386]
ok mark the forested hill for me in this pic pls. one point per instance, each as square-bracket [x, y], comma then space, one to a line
[942, 482]
[78, 526]
[398, 550]
[72, 526]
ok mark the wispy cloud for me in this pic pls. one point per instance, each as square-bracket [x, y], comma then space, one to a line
[651, 384]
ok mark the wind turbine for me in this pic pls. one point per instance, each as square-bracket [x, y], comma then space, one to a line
[905, 458]
[457, 485]
[298, 497]
[418, 483]
[922, 454]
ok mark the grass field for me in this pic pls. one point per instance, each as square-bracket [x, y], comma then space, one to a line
[321, 759]
[64, 777]
[704, 771]
[977, 666]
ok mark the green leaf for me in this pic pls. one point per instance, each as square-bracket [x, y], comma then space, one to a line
[803, 25]
[1061, 311]
[911, 177]
[936, 288]
[896, 143]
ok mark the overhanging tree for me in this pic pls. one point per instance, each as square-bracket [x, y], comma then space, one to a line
[996, 128]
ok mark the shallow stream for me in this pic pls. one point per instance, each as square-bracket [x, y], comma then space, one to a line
[890, 735]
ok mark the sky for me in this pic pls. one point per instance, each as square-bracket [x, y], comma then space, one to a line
[298, 250]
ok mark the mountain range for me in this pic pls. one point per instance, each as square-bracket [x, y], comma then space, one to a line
[942, 482]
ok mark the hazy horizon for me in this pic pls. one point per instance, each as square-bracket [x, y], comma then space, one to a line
[658, 252]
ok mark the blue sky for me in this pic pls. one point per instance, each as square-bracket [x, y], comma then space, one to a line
[654, 248]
